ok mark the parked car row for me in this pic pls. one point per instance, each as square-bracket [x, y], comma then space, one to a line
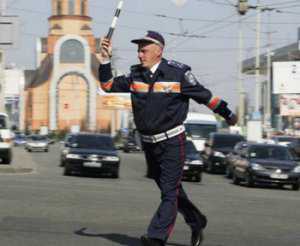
[276, 162]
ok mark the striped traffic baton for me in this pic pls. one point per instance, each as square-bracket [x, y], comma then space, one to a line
[115, 19]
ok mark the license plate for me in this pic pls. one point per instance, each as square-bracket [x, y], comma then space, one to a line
[92, 164]
[279, 176]
[185, 168]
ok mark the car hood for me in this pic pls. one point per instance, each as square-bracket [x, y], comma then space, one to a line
[37, 142]
[282, 164]
[93, 152]
[224, 150]
[199, 144]
[192, 156]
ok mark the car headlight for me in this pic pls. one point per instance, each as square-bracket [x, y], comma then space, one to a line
[194, 162]
[296, 169]
[73, 156]
[65, 151]
[219, 154]
[257, 167]
[110, 158]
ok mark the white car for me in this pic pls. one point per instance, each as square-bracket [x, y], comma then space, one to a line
[5, 140]
[37, 143]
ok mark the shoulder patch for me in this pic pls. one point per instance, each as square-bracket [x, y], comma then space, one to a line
[191, 78]
[178, 65]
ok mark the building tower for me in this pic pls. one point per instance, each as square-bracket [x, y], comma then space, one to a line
[62, 92]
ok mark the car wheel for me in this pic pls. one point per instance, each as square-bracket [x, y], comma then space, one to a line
[295, 186]
[46, 150]
[198, 177]
[228, 172]
[210, 167]
[115, 174]
[235, 179]
[67, 171]
[6, 160]
[249, 180]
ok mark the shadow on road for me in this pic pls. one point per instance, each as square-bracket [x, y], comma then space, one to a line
[117, 238]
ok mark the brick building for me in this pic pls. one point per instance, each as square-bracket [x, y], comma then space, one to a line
[64, 90]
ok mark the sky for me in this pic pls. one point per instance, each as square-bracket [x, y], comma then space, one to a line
[201, 33]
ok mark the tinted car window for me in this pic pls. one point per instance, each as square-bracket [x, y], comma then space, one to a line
[285, 139]
[92, 142]
[226, 140]
[190, 148]
[38, 138]
[2, 122]
[269, 152]
[199, 131]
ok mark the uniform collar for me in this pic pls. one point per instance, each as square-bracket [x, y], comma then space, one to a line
[154, 67]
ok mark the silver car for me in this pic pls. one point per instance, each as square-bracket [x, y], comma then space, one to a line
[37, 143]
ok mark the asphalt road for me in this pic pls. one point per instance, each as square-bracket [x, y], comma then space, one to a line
[45, 208]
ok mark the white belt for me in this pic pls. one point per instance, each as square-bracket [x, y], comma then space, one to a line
[163, 136]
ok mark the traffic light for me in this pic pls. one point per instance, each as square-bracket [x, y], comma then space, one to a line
[242, 6]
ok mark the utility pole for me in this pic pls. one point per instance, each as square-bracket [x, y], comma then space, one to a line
[2, 81]
[241, 90]
[242, 9]
[257, 59]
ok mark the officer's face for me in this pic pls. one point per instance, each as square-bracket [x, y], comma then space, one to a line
[149, 54]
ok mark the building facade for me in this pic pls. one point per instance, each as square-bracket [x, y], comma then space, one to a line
[64, 90]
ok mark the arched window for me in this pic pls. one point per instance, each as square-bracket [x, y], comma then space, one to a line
[72, 51]
[71, 7]
[59, 8]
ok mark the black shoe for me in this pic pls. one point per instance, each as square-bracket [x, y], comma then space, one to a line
[197, 237]
[147, 241]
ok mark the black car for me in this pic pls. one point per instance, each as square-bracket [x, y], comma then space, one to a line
[216, 148]
[91, 153]
[193, 165]
[66, 144]
[232, 157]
[131, 144]
[295, 146]
[267, 163]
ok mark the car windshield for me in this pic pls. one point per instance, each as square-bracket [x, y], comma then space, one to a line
[38, 138]
[190, 148]
[270, 152]
[199, 130]
[21, 137]
[93, 142]
[3, 122]
[230, 141]
[285, 139]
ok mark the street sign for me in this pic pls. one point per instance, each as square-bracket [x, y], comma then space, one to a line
[9, 32]
[286, 76]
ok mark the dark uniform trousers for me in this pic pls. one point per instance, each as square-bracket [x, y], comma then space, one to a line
[166, 158]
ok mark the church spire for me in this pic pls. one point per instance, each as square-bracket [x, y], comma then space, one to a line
[70, 17]
[70, 7]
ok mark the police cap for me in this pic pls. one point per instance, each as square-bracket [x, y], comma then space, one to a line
[151, 37]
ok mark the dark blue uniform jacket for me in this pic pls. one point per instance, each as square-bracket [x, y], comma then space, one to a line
[160, 101]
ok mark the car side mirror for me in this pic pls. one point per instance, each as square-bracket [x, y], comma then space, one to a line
[244, 155]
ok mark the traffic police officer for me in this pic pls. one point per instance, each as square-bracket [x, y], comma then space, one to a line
[160, 92]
